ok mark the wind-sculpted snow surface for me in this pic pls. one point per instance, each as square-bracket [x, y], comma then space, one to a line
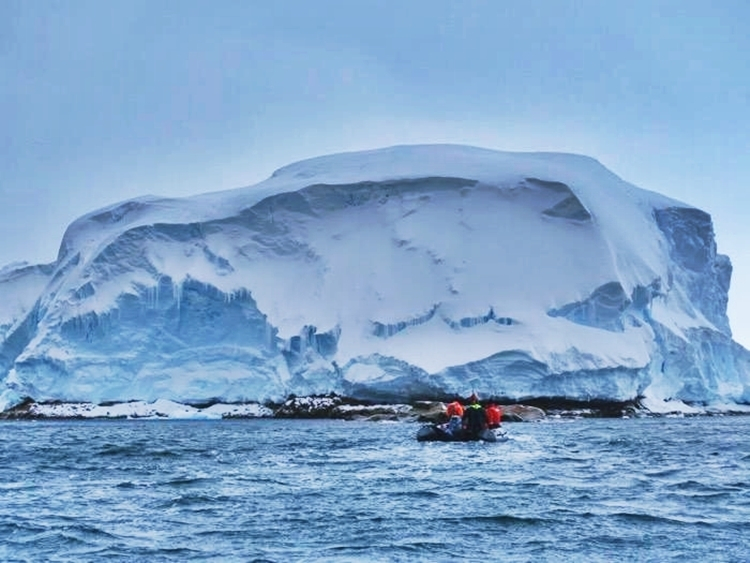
[404, 273]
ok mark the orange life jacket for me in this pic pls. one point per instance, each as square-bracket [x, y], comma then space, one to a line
[494, 414]
[454, 409]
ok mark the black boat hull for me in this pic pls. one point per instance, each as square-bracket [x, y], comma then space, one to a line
[434, 433]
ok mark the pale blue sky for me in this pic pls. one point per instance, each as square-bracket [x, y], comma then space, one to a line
[103, 101]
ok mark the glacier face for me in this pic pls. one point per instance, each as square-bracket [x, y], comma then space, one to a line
[396, 274]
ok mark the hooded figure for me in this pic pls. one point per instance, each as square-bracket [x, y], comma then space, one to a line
[474, 418]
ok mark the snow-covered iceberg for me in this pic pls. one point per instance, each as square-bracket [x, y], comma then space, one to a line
[410, 272]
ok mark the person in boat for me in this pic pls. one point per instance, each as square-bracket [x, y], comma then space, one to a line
[474, 419]
[494, 415]
[454, 411]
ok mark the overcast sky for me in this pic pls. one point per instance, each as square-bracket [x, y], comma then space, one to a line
[102, 101]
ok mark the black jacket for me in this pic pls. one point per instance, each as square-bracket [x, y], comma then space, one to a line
[474, 419]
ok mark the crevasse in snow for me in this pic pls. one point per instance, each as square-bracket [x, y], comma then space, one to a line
[401, 273]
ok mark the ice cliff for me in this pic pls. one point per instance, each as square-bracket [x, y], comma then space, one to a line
[395, 274]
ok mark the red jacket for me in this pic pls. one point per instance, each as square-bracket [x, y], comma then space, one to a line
[494, 415]
[454, 409]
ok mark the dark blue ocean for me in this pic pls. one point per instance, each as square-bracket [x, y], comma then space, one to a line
[664, 489]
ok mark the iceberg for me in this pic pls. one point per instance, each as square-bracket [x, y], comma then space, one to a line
[398, 274]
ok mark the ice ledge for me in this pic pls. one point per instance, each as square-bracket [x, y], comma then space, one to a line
[159, 409]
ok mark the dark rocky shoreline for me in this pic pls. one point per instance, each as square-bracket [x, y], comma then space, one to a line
[343, 408]
[532, 410]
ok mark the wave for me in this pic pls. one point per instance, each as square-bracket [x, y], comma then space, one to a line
[508, 519]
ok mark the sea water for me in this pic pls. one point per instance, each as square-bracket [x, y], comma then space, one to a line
[666, 489]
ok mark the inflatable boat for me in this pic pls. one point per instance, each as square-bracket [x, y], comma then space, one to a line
[440, 433]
